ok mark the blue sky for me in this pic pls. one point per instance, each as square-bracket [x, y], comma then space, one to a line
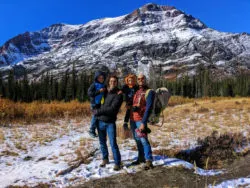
[19, 16]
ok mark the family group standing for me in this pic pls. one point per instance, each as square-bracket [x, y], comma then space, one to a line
[105, 104]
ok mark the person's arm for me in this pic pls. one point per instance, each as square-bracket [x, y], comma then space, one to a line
[124, 88]
[92, 91]
[115, 106]
[149, 105]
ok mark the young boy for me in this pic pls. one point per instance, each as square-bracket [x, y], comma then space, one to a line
[129, 90]
[96, 93]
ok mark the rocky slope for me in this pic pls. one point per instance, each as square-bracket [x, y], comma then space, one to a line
[154, 38]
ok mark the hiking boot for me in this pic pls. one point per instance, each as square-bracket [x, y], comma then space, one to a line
[104, 162]
[117, 167]
[92, 134]
[138, 161]
[148, 165]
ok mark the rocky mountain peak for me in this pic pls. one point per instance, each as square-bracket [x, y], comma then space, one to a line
[171, 40]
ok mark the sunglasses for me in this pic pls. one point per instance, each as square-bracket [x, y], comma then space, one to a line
[140, 78]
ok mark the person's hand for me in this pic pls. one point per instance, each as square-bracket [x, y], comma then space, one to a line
[94, 111]
[102, 90]
[128, 107]
[119, 92]
[142, 127]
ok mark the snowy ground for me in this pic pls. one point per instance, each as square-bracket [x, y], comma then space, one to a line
[34, 154]
[233, 183]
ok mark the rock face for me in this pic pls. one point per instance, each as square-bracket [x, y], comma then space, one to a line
[154, 38]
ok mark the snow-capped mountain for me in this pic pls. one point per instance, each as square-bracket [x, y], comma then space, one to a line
[153, 37]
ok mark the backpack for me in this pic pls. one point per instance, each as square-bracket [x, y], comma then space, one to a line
[162, 96]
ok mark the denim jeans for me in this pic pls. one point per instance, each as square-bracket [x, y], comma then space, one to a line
[143, 145]
[94, 121]
[109, 128]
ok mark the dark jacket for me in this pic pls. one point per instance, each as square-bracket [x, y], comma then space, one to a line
[129, 94]
[109, 110]
[92, 92]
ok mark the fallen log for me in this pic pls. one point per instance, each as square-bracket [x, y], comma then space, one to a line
[82, 159]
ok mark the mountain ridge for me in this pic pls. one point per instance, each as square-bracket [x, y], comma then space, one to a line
[153, 36]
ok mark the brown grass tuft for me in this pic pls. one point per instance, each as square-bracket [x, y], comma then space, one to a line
[195, 104]
[186, 110]
[213, 101]
[2, 137]
[166, 152]
[202, 110]
[237, 102]
[8, 153]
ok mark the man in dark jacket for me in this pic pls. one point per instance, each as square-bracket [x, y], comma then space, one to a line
[107, 116]
[142, 105]
[96, 93]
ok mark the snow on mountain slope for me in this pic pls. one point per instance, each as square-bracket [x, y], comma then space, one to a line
[168, 38]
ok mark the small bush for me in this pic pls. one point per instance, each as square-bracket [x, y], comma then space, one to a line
[219, 149]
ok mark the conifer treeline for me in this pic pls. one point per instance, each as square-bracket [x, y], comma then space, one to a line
[73, 86]
[70, 87]
[202, 85]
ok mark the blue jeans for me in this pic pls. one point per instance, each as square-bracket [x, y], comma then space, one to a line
[109, 128]
[93, 124]
[143, 145]
[94, 121]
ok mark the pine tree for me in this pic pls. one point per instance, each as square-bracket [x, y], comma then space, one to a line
[80, 88]
[54, 88]
[33, 91]
[11, 85]
[193, 90]
[74, 81]
[1, 85]
[69, 91]
[26, 95]
[18, 91]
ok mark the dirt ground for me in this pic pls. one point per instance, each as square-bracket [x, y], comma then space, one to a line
[171, 177]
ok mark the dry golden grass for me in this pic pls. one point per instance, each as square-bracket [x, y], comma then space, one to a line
[177, 100]
[43, 111]
[40, 111]
[185, 119]
[202, 110]
[8, 153]
[199, 118]
[2, 137]
[123, 134]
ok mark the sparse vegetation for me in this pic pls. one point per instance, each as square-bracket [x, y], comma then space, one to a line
[202, 110]
[215, 151]
[2, 137]
[185, 122]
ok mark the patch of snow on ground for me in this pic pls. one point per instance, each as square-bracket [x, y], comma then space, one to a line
[18, 171]
[233, 183]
